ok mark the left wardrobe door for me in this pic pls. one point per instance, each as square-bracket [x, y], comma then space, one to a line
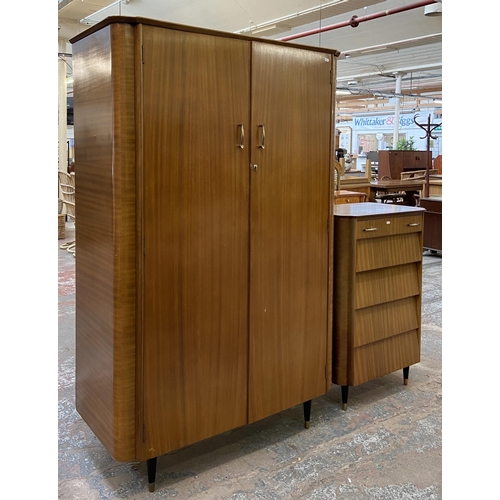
[194, 189]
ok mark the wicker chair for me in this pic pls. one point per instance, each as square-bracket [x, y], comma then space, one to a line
[67, 195]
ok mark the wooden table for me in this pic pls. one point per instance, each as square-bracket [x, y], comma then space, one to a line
[410, 187]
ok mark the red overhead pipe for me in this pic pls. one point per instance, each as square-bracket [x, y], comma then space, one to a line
[355, 20]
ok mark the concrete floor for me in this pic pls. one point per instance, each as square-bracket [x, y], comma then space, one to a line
[387, 445]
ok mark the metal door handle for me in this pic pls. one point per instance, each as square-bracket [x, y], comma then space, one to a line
[262, 136]
[413, 224]
[242, 135]
[369, 229]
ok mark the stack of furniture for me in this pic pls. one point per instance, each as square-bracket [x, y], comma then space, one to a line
[205, 202]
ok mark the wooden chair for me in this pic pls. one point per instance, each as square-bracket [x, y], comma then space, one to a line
[67, 195]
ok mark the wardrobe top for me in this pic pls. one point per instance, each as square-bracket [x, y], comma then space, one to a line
[181, 27]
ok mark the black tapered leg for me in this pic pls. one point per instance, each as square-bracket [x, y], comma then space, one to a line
[345, 392]
[151, 463]
[307, 413]
[406, 372]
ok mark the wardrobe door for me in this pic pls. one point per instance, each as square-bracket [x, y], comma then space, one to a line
[195, 191]
[289, 213]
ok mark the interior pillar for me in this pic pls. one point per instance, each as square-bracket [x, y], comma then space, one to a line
[395, 137]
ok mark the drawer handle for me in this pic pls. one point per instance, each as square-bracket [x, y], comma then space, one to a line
[369, 229]
[413, 224]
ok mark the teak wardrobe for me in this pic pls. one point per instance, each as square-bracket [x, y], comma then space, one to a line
[204, 231]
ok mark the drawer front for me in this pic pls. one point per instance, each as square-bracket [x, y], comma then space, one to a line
[372, 324]
[351, 199]
[386, 285]
[341, 200]
[390, 251]
[387, 356]
[375, 228]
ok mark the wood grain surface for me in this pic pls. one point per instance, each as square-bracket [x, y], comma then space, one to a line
[379, 359]
[290, 208]
[377, 291]
[196, 190]
[105, 237]
[204, 286]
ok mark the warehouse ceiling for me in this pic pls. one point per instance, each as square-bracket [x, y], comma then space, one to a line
[392, 39]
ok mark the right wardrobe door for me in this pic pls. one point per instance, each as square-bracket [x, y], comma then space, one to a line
[291, 131]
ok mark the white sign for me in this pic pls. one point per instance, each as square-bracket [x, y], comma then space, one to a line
[384, 122]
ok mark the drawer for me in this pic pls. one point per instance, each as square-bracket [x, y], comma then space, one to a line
[349, 199]
[383, 321]
[386, 285]
[375, 228]
[387, 356]
[394, 250]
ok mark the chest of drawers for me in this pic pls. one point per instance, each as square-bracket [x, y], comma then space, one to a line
[377, 291]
